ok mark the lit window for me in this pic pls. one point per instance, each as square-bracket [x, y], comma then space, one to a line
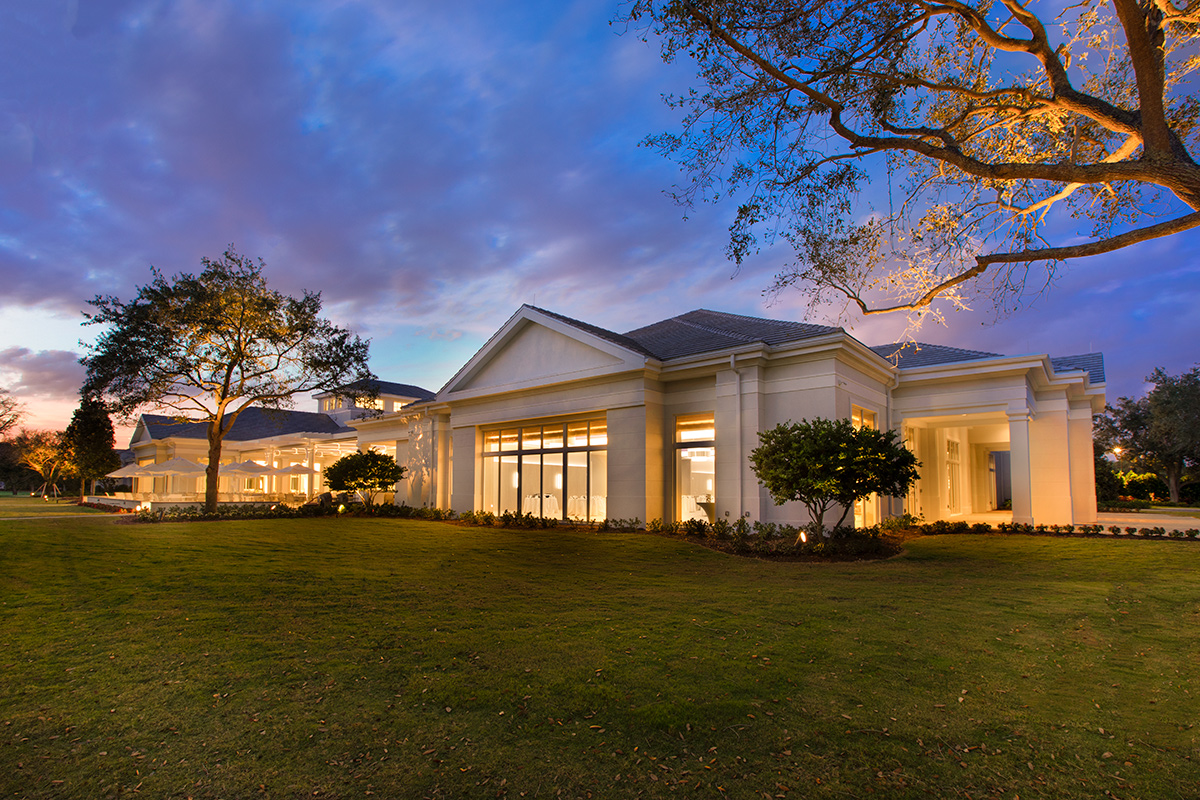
[557, 471]
[695, 467]
[861, 418]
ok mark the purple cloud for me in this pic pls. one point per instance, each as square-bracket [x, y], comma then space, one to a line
[46, 373]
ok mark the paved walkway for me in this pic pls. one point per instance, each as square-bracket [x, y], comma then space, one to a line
[1129, 519]
[1148, 519]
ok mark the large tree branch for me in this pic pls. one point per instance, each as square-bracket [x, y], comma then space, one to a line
[1060, 173]
[1143, 35]
[982, 263]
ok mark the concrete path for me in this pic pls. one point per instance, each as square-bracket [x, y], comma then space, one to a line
[1148, 519]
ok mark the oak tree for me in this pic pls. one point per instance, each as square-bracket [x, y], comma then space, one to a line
[207, 347]
[1160, 431]
[992, 122]
[42, 452]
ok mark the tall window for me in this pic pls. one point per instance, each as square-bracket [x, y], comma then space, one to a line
[557, 470]
[953, 477]
[695, 467]
[866, 511]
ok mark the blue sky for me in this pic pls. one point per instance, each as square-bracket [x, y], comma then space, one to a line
[426, 166]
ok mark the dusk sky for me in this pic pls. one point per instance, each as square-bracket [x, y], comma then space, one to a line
[428, 167]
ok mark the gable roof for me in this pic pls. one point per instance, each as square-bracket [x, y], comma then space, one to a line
[704, 331]
[595, 330]
[253, 423]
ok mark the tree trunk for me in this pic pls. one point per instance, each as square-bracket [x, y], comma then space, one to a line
[212, 473]
[1174, 474]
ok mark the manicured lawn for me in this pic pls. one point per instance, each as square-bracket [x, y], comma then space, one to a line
[341, 658]
[22, 505]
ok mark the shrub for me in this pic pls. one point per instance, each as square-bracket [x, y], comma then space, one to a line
[904, 522]
[766, 530]
[720, 528]
[981, 528]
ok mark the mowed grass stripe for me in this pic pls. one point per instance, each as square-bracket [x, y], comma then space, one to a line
[283, 658]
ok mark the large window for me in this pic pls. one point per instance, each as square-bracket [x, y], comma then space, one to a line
[557, 470]
[695, 467]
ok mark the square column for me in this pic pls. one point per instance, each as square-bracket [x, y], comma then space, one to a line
[465, 469]
[1021, 469]
[635, 462]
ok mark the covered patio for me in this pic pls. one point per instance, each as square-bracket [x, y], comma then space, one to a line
[285, 471]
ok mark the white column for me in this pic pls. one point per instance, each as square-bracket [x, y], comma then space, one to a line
[1022, 484]
[443, 480]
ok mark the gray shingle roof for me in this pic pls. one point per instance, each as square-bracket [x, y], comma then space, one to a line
[390, 388]
[704, 331]
[700, 331]
[920, 354]
[253, 423]
[1091, 363]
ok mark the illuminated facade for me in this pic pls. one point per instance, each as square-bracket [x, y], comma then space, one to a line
[559, 418]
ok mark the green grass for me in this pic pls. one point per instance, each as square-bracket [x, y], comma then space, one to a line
[22, 505]
[345, 657]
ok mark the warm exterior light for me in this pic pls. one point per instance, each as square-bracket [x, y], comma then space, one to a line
[803, 536]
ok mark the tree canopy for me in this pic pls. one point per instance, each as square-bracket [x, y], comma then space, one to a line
[992, 121]
[368, 473]
[206, 347]
[89, 444]
[1160, 431]
[43, 452]
[824, 463]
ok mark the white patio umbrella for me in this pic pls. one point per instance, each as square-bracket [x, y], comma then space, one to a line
[249, 469]
[127, 471]
[174, 466]
[293, 469]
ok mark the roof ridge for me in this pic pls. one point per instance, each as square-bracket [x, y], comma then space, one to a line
[720, 331]
[769, 320]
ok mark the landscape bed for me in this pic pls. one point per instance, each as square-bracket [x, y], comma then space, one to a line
[339, 657]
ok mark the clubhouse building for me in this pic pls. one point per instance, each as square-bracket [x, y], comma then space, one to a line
[560, 418]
